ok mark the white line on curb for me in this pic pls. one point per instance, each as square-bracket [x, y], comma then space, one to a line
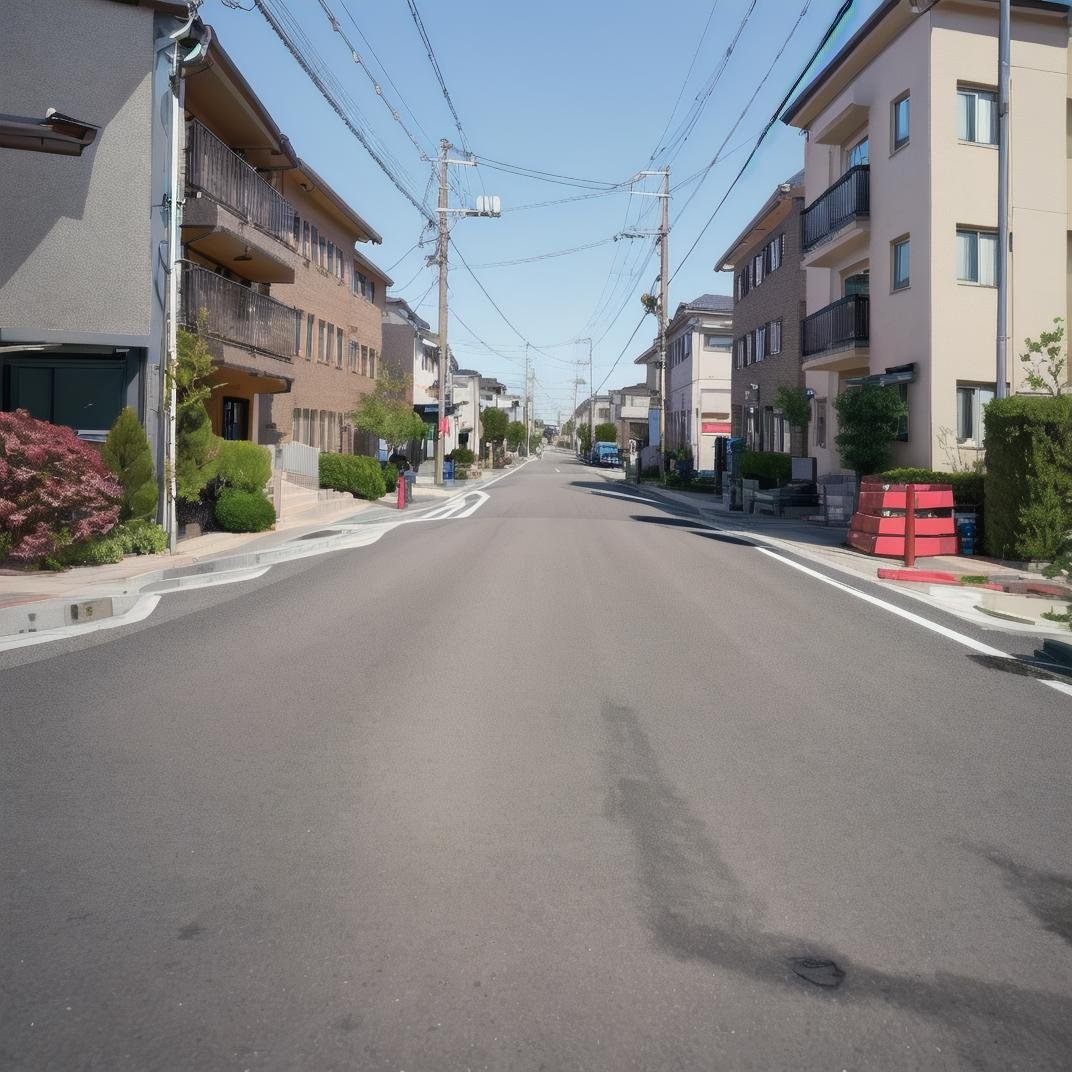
[934, 627]
[138, 613]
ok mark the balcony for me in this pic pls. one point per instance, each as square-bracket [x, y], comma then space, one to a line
[838, 337]
[838, 222]
[236, 314]
[232, 215]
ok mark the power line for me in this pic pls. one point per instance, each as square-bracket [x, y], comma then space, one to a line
[549, 176]
[318, 80]
[546, 256]
[830, 31]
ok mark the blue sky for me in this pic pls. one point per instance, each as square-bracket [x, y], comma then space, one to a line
[581, 89]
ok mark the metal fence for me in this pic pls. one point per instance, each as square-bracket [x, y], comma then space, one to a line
[847, 199]
[847, 322]
[238, 314]
[299, 462]
[222, 174]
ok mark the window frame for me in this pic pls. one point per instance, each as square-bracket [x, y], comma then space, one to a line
[967, 89]
[896, 143]
[976, 232]
[977, 411]
[774, 332]
[896, 283]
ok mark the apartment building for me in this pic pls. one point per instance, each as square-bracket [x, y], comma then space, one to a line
[699, 345]
[82, 290]
[768, 306]
[898, 235]
[292, 312]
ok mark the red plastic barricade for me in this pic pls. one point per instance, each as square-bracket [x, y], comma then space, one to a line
[881, 525]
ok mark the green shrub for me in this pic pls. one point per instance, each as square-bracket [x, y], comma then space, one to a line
[195, 445]
[1028, 483]
[126, 453]
[390, 476]
[6, 543]
[463, 456]
[244, 511]
[141, 537]
[354, 473]
[967, 487]
[101, 551]
[769, 468]
[868, 419]
[243, 465]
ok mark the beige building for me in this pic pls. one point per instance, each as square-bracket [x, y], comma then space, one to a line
[898, 234]
[699, 356]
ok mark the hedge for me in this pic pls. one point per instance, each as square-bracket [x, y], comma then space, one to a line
[354, 473]
[390, 476]
[967, 487]
[244, 511]
[243, 465]
[1028, 484]
[766, 466]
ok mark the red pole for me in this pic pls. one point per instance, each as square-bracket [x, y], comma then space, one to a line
[910, 526]
[401, 489]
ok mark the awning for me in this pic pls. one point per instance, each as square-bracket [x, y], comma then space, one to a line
[430, 411]
[890, 378]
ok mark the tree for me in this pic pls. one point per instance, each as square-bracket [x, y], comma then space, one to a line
[387, 413]
[1045, 362]
[195, 444]
[585, 437]
[535, 442]
[567, 429]
[494, 423]
[515, 435]
[868, 417]
[607, 432]
[795, 405]
[126, 453]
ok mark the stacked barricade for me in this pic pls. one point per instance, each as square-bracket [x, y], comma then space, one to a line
[891, 518]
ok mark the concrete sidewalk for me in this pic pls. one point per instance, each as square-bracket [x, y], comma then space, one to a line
[1013, 611]
[37, 601]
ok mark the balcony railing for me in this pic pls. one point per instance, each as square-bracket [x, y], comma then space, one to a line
[222, 174]
[238, 314]
[847, 200]
[845, 323]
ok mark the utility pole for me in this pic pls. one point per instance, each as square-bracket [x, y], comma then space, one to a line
[1004, 34]
[485, 206]
[444, 353]
[525, 405]
[664, 282]
[577, 381]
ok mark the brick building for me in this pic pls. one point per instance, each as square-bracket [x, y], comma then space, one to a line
[769, 302]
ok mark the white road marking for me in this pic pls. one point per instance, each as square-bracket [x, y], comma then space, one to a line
[934, 627]
[631, 498]
[557, 470]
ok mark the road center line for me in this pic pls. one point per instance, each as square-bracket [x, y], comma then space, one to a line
[934, 627]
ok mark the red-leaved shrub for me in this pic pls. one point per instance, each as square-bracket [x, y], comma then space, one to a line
[54, 489]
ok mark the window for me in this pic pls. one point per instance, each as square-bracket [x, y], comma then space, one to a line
[774, 337]
[858, 154]
[757, 269]
[977, 115]
[820, 422]
[296, 230]
[977, 257]
[323, 261]
[314, 244]
[364, 360]
[364, 286]
[775, 249]
[352, 358]
[971, 403]
[899, 121]
[900, 257]
[309, 336]
[718, 342]
[748, 351]
[295, 425]
[738, 353]
[372, 362]
[338, 349]
[322, 330]
[761, 342]
[305, 238]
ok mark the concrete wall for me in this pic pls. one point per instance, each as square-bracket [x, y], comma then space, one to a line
[76, 232]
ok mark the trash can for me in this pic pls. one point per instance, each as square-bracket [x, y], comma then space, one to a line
[411, 479]
[966, 533]
[448, 469]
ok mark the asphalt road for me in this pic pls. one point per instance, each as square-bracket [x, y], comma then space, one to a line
[572, 783]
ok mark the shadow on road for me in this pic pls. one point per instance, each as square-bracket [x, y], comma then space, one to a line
[698, 909]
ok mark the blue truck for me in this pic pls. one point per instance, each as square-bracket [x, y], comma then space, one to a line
[605, 454]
